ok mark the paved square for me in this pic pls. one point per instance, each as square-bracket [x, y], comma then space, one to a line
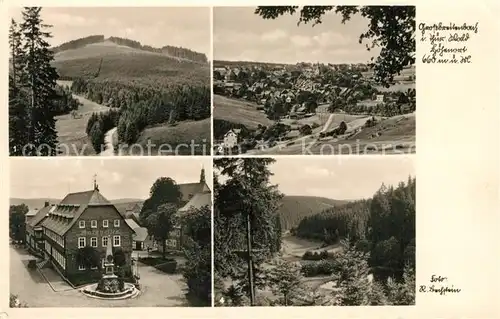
[158, 289]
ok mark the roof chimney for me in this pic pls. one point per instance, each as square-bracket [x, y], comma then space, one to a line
[46, 204]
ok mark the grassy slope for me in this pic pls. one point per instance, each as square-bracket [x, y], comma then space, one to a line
[397, 131]
[131, 66]
[182, 133]
[237, 111]
[124, 64]
[295, 208]
[71, 131]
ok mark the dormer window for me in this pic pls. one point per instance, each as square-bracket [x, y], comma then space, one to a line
[105, 223]
[116, 223]
[81, 224]
[93, 224]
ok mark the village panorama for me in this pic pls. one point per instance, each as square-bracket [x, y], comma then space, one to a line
[303, 89]
[93, 233]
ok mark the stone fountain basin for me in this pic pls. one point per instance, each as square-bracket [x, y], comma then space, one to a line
[129, 291]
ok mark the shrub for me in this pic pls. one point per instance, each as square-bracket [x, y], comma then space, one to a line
[84, 278]
[152, 261]
[169, 267]
[32, 264]
[319, 268]
[305, 130]
[119, 256]
[315, 255]
[342, 128]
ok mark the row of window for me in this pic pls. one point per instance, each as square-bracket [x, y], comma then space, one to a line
[59, 258]
[93, 223]
[82, 241]
[82, 267]
[55, 237]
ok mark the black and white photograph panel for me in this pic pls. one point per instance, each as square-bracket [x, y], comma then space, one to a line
[314, 80]
[110, 233]
[314, 232]
[87, 81]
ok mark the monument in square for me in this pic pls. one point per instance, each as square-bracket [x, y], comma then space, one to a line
[110, 286]
[110, 283]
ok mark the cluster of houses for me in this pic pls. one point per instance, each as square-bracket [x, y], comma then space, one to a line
[57, 231]
[266, 86]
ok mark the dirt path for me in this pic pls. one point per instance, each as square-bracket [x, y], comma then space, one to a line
[108, 141]
[71, 135]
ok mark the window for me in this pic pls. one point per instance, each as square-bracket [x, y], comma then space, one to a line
[93, 267]
[105, 241]
[116, 241]
[81, 267]
[93, 241]
[117, 223]
[81, 224]
[171, 243]
[93, 224]
[81, 242]
[105, 223]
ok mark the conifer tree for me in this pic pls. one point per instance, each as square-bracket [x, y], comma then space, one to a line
[352, 278]
[17, 100]
[286, 280]
[40, 80]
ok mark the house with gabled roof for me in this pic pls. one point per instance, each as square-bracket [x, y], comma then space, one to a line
[198, 195]
[34, 234]
[81, 220]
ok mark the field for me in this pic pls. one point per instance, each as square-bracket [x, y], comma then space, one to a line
[295, 208]
[293, 248]
[129, 65]
[402, 86]
[181, 135]
[237, 111]
[71, 131]
[394, 135]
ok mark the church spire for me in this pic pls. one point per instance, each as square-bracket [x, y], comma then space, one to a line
[96, 187]
[202, 175]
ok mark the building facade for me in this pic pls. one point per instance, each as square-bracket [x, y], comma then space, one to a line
[194, 196]
[84, 219]
[34, 232]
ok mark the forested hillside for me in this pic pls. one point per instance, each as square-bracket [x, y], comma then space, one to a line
[293, 209]
[145, 87]
[141, 106]
[173, 51]
[384, 226]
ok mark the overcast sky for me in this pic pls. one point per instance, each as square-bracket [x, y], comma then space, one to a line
[187, 27]
[340, 177]
[241, 35]
[117, 178]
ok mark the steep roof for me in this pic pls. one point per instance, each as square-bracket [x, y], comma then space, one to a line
[198, 201]
[140, 233]
[190, 189]
[63, 216]
[40, 215]
[32, 212]
[131, 223]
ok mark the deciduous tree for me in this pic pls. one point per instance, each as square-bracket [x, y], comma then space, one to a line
[160, 222]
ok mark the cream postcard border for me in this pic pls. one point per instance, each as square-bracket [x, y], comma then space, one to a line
[457, 164]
